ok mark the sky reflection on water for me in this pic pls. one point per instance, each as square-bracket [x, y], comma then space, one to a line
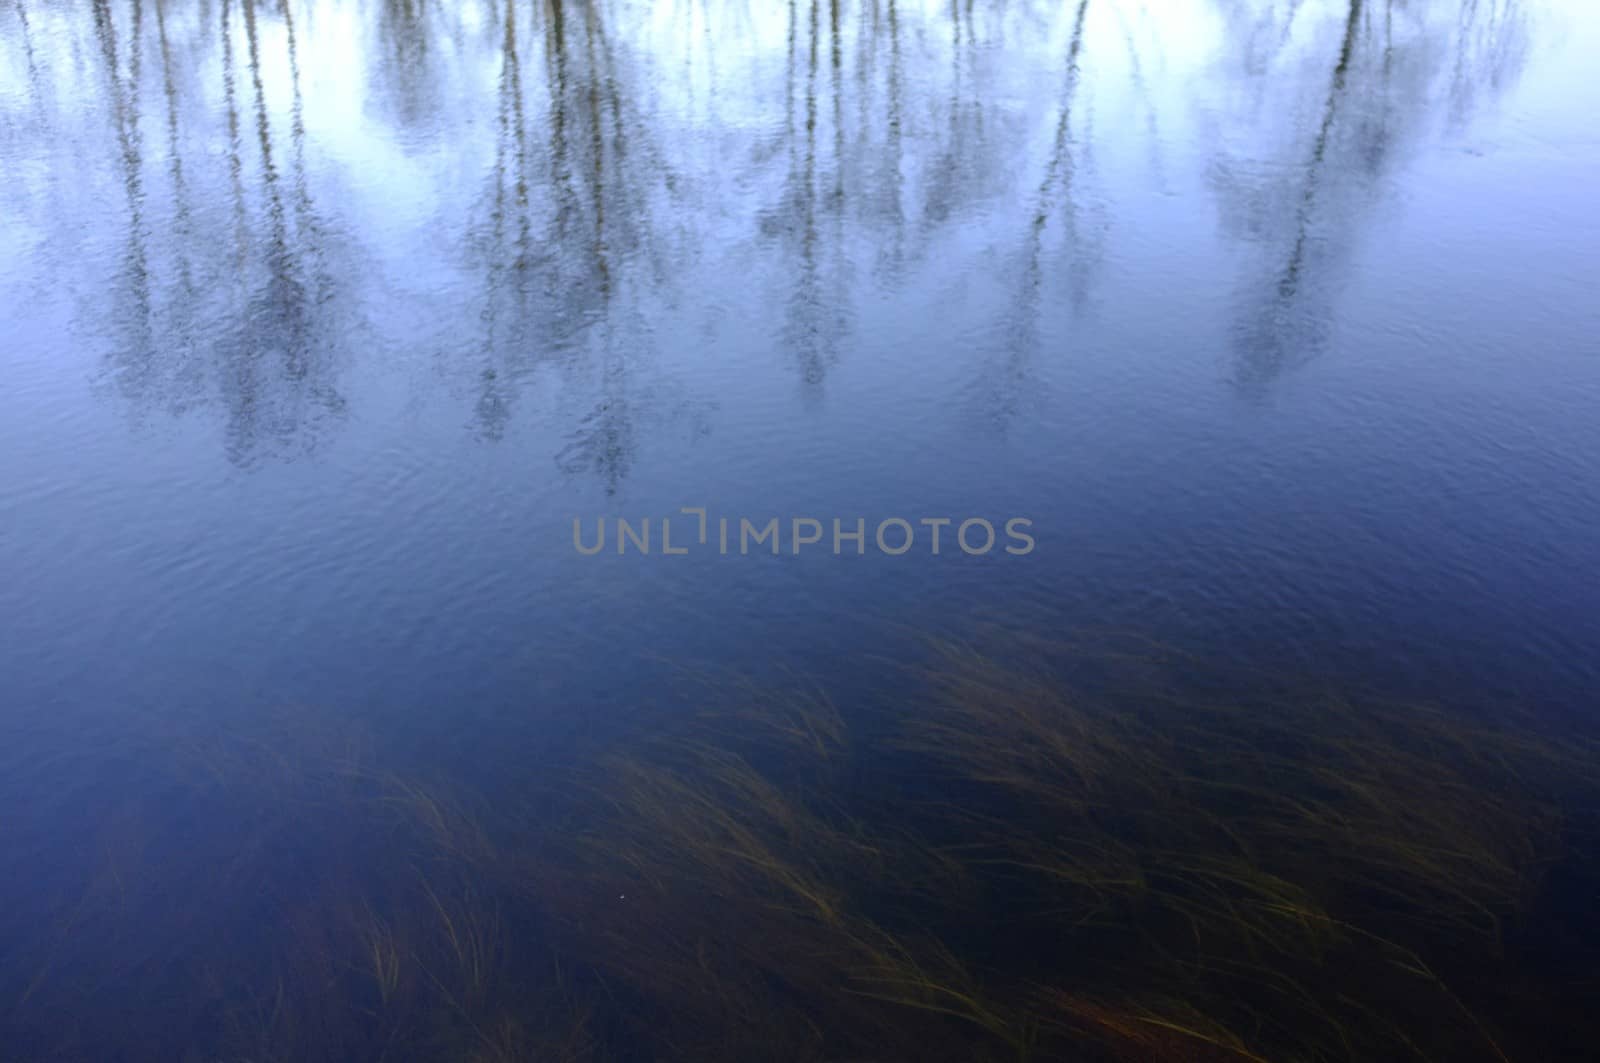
[325, 320]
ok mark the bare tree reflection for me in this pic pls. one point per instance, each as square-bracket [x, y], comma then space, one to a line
[1008, 381]
[136, 288]
[963, 149]
[253, 329]
[846, 209]
[304, 211]
[815, 323]
[407, 66]
[1491, 48]
[891, 179]
[573, 233]
[183, 228]
[507, 268]
[235, 141]
[25, 32]
[593, 176]
[1375, 102]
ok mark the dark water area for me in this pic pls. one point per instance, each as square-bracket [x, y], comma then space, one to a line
[1259, 335]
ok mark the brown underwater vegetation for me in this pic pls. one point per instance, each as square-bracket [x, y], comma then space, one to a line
[1030, 852]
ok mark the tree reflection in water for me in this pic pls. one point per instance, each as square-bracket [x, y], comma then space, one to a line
[592, 180]
[1305, 206]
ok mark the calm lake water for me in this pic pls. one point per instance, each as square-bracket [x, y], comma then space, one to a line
[323, 322]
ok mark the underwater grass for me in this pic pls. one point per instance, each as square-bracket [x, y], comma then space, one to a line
[1257, 879]
[990, 859]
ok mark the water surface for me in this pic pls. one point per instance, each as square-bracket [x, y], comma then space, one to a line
[324, 322]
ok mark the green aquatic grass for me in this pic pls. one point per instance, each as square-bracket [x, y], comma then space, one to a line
[995, 861]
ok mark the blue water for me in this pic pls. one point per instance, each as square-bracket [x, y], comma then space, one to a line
[323, 323]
